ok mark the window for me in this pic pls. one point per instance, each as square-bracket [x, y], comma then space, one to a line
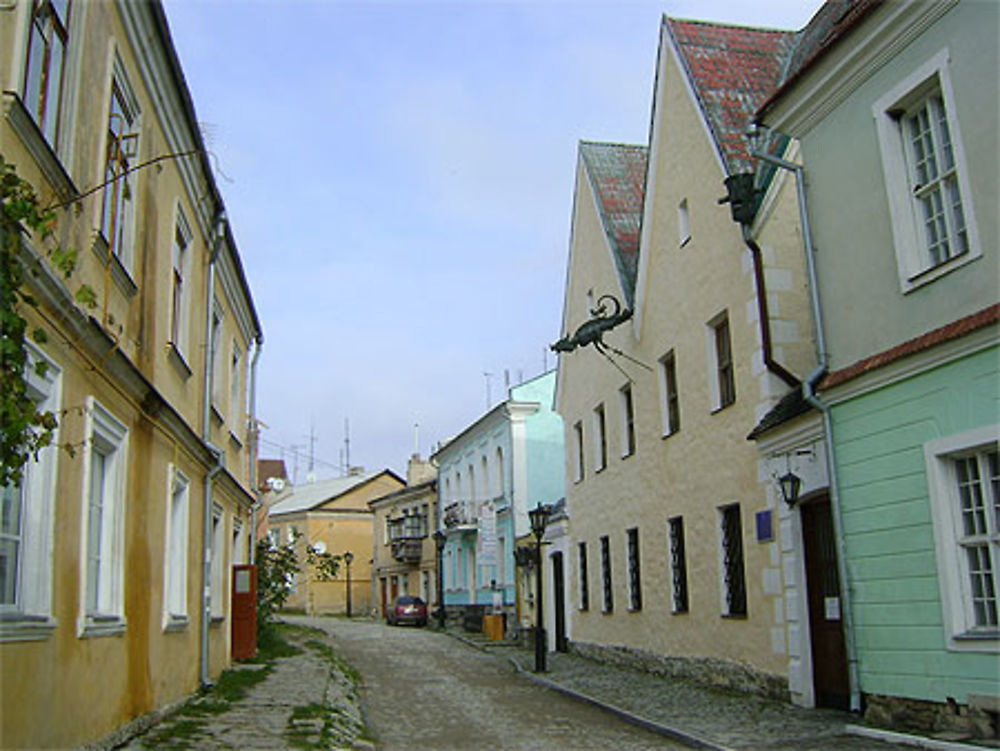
[26, 524]
[501, 566]
[578, 445]
[600, 439]
[581, 548]
[678, 566]
[628, 420]
[181, 283]
[121, 149]
[235, 407]
[499, 473]
[239, 544]
[44, 72]
[733, 579]
[609, 600]
[217, 580]
[634, 574]
[216, 356]
[721, 358]
[683, 222]
[670, 403]
[964, 480]
[104, 522]
[175, 611]
[926, 176]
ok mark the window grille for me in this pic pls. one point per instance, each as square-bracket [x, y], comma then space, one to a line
[584, 587]
[678, 565]
[732, 554]
[634, 575]
[609, 601]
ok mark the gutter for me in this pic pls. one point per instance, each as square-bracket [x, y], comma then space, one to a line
[809, 393]
[254, 447]
[217, 453]
[762, 312]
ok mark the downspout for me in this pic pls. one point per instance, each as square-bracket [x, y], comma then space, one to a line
[810, 395]
[206, 435]
[762, 312]
[254, 447]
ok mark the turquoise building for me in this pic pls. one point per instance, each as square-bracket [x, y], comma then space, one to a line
[489, 476]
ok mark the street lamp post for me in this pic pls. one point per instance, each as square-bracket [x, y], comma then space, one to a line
[539, 517]
[439, 540]
[348, 558]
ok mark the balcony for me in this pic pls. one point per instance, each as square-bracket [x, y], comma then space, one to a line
[407, 551]
[460, 515]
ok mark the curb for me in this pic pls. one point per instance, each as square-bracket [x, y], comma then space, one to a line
[905, 739]
[655, 727]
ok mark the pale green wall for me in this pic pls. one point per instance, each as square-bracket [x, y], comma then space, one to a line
[544, 436]
[889, 533]
[849, 207]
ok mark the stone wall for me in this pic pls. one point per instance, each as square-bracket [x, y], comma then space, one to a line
[978, 719]
[706, 671]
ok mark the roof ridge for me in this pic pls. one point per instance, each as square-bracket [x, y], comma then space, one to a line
[723, 24]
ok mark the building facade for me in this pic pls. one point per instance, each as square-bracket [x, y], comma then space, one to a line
[675, 535]
[489, 475]
[119, 540]
[889, 98]
[332, 516]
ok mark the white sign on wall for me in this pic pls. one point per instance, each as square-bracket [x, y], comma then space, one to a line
[486, 542]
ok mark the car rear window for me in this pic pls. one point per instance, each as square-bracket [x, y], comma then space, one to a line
[408, 600]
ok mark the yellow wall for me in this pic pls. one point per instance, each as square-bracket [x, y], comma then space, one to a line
[67, 689]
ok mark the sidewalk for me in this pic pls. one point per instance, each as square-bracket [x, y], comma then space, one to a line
[705, 718]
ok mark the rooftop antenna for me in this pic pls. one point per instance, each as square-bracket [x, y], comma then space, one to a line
[312, 447]
[416, 439]
[506, 379]
[489, 399]
[545, 359]
[347, 444]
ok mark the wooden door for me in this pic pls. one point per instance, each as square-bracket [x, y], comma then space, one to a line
[559, 601]
[826, 631]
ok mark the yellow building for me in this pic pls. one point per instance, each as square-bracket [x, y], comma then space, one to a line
[676, 559]
[117, 553]
[405, 556]
[332, 516]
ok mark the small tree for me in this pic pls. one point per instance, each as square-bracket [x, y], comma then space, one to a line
[277, 566]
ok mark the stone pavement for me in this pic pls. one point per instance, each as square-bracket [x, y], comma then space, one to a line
[305, 700]
[702, 717]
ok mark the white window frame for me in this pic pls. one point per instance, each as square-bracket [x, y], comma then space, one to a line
[714, 369]
[29, 617]
[633, 569]
[666, 393]
[908, 240]
[239, 543]
[626, 399]
[235, 407]
[175, 585]
[125, 251]
[215, 354]
[959, 623]
[48, 109]
[724, 588]
[180, 305]
[578, 451]
[599, 421]
[218, 560]
[102, 613]
[683, 223]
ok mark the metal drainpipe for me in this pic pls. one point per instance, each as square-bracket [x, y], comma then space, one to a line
[206, 434]
[810, 395]
[254, 447]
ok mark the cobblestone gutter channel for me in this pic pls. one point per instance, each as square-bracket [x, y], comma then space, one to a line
[305, 697]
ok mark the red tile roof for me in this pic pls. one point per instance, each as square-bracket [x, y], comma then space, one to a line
[617, 173]
[733, 69]
[954, 330]
[829, 25]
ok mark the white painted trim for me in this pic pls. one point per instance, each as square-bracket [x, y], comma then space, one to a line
[907, 240]
[915, 364]
[954, 584]
[176, 481]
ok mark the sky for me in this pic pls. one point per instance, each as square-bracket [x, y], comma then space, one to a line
[399, 181]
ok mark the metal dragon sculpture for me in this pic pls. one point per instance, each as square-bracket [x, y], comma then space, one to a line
[592, 331]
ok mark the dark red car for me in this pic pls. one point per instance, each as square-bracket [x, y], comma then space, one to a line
[407, 609]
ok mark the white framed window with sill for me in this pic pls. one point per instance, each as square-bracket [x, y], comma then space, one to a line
[926, 175]
[235, 406]
[121, 152]
[26, 519]
[218, 560]
[627, 404]
[105, 462]
[48, 40]
[963, 478]
[180, 296]
[178, 510]
[722, 381]
[670, 411]
[600, 428]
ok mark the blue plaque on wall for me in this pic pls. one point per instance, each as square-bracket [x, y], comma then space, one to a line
[765, 527]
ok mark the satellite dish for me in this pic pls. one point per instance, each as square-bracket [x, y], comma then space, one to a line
[320, 547]
[277, 484]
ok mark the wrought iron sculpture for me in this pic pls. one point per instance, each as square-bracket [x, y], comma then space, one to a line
[592, 331]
